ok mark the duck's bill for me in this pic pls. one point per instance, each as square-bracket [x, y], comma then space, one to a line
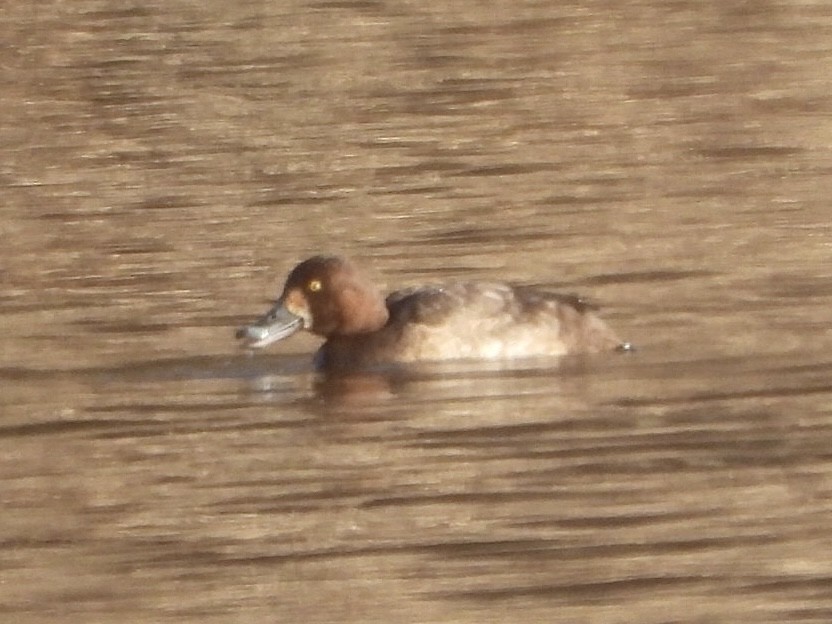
[276, 324]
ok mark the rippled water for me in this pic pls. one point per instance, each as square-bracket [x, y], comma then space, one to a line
[163, 166]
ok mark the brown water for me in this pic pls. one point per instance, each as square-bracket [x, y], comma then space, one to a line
[163, 164]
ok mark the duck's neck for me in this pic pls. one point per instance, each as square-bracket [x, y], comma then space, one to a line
[367, 312]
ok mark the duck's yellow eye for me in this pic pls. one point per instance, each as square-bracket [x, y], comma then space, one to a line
[314, 285]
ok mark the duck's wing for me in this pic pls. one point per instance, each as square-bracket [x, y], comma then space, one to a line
[504, 318]
[422, 304]
[431, 305]
[531, 298]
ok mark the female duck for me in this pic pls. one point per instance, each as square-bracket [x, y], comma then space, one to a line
[328, 296]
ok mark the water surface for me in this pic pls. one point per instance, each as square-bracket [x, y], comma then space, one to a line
[165, 164]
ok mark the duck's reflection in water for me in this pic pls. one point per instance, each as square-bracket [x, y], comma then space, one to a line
[394, 390]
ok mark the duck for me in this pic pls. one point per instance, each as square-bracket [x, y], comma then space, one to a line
[328, 295]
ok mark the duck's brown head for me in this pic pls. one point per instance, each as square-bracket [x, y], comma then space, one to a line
[325, 295]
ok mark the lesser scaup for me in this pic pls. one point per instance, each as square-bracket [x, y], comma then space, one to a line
[328, 296]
